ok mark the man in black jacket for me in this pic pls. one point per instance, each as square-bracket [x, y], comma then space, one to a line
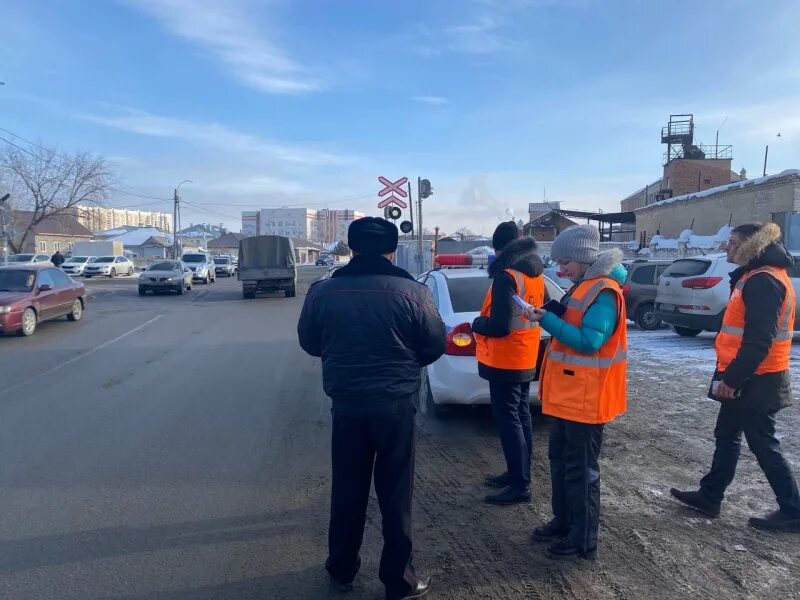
[750, 401]
[57, 259]
[375, 328]
[509, 385]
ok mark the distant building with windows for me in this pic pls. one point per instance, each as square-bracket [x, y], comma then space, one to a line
[54, 233]
[319, 226]
[103, 218]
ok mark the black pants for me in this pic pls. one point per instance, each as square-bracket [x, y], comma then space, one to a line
[512, 415]
[759, 431]
[575, 472]
[384, 442]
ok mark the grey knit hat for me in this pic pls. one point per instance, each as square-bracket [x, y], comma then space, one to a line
[579, 243]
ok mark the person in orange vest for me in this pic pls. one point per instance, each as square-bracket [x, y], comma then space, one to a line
[752, 380]
[582, 385]
[507, 348]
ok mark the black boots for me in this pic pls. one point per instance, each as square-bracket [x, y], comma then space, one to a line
[698, 501]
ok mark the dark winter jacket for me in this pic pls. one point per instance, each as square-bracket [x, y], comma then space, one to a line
[57, 259]
[521, 256]
[375, 327]
[763, 297]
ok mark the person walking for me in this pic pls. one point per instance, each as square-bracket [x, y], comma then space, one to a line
[582, 386]
[375, 328]
[752, 381]
[57, 259]
[507, 349]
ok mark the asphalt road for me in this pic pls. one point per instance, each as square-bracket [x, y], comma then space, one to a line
[177, 448]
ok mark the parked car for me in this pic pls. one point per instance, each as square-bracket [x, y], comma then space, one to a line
[693, 294]
[30, 258]
[31, 294]
[109, 266]
[166, 276]
[75, 265]
[201, 265]
[224, 266]
[324, 260]
[458, 293]
[640, 292]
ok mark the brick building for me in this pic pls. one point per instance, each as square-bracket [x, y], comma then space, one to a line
[55, 232]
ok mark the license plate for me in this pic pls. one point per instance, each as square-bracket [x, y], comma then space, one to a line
[668, 307]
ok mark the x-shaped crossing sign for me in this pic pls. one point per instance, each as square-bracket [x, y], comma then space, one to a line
[393, 187]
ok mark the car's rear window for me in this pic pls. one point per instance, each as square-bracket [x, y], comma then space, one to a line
[195, 258]
[222, 261]
[688, 267]
[467, 293]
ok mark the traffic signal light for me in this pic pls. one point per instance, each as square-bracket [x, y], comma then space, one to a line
[395, 212]
[425, 188]
[406, 227]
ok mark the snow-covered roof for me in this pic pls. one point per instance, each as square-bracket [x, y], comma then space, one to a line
[138, 236]
[723, 188]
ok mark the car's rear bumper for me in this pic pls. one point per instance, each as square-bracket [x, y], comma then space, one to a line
[690, 320]
[455, 380]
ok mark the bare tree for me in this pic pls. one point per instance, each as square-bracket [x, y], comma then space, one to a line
[48, 183]
[464, 233]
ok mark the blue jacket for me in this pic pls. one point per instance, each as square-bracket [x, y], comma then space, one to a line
[600, 319]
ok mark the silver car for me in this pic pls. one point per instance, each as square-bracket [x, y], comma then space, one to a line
[202, 266]
[76, 264]
[223, 265]
[166, 276]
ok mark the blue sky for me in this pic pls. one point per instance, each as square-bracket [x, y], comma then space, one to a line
[304, 103]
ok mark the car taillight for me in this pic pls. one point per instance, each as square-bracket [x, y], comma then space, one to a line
[700, 283]
[460, 341]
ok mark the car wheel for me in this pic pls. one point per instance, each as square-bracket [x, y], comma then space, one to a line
[646, 317]
[685, 331]
[113, 273]
[426, 402]
[77, 311]
[248, 295]
[29, 322]
[179, 290]
[291, 293]
[142, 291]
[87, 276]
[130, 272]
[207, 280]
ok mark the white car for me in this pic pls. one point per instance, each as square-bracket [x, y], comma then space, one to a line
[109, 266]
[75, 265]
[29, 258]
[693, 293]
[458, 293]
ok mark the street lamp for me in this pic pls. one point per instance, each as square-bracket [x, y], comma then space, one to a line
[176, 217]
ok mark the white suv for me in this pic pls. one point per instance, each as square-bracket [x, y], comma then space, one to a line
[202, 266]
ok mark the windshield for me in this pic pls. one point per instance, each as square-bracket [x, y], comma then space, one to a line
[467, 293]
[164, 266]
[104, 259]
[21, 258]
[222, 261]
[12, 280]
[194, 258]
[78, 259]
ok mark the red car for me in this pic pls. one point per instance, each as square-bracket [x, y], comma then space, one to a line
[32, 294]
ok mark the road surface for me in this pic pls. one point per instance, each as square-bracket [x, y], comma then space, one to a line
[176, 448]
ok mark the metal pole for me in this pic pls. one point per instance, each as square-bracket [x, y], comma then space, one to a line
[766, 153]
[411, 209]
[175, 225]
[419, 221]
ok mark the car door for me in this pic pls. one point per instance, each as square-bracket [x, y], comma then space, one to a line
[66, 292]
[46, 299]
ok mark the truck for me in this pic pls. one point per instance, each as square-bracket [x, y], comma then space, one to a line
[267, 264]
[98, 249]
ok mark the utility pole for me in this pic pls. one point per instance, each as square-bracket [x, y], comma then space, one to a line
[176, 220]
[3, 205]
[419, 225]
[766, 153]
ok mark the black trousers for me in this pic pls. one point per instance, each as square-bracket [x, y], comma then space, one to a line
[575, 473]
[381, 442]
[512, 415]
[759, 431]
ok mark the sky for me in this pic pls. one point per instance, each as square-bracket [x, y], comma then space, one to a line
[268, 103]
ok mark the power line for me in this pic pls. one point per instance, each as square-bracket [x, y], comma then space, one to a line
[39, 157]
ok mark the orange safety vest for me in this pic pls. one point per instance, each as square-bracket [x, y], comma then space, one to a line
[519, 350]
[729, 338]
[587, 388]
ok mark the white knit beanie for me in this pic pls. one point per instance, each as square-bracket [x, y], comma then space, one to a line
[579, 243]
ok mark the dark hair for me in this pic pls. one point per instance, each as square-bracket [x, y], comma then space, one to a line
[747, 230]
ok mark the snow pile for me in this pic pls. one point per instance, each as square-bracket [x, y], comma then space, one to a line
[688, 240]
[659, 242]
[480, 251]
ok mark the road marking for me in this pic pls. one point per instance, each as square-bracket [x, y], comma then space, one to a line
[80, 356]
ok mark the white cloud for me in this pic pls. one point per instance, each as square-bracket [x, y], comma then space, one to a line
[432, 100]
[227, 32]
[216, 136]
